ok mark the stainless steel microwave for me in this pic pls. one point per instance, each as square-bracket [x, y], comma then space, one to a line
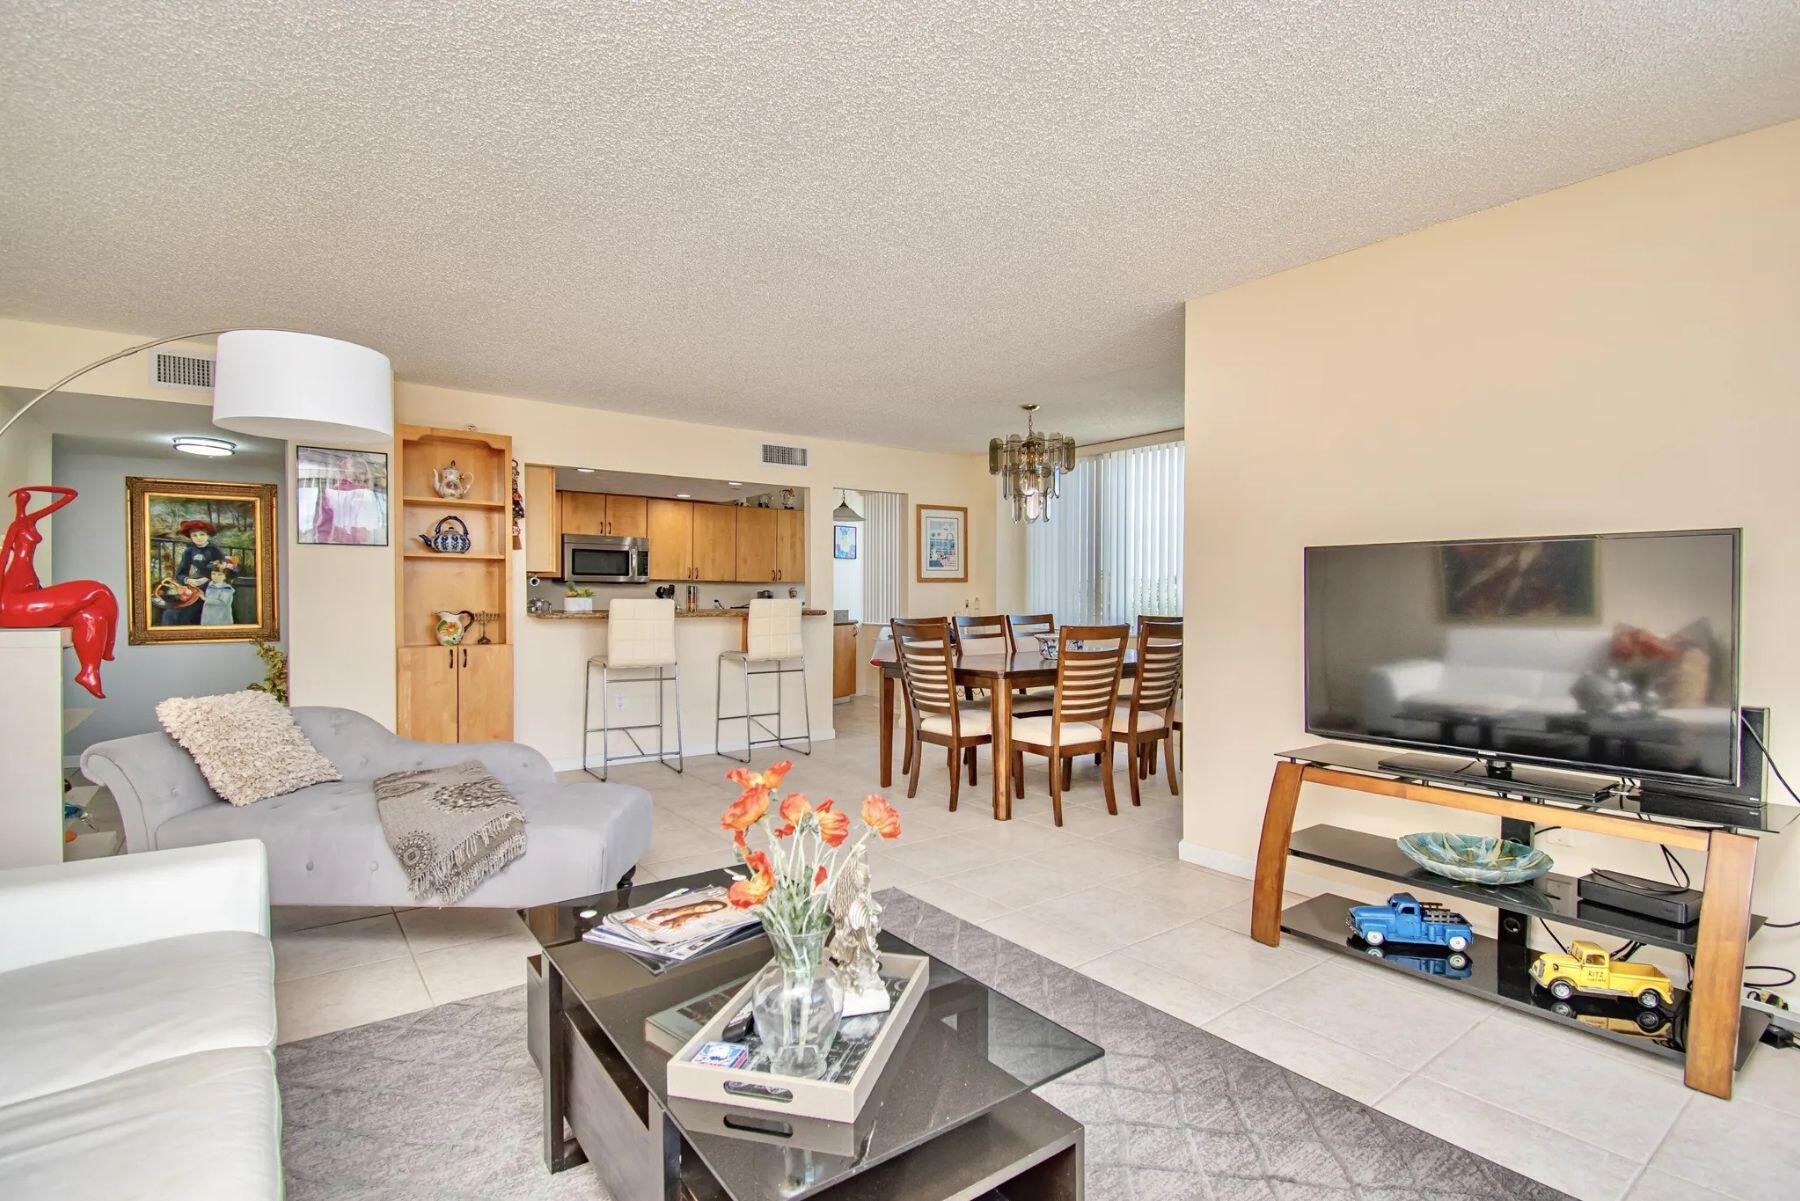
[604, 559]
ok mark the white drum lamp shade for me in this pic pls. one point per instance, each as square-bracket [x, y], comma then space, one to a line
[302, 388]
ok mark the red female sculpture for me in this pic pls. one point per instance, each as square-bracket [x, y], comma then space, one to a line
[87, 607]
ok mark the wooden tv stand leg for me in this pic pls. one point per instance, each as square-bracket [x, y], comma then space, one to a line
[1272, 853]
[1716, 993]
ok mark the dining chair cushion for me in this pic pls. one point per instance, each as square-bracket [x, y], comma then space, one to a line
[1146, 720]
[1037, 730]
[1029, 704]
[976, 721]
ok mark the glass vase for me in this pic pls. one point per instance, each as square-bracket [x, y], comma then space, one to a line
[798, 1004]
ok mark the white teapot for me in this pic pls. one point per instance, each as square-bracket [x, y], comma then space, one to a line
[452, 482]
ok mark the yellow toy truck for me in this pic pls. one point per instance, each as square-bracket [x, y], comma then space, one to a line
[1589, 970]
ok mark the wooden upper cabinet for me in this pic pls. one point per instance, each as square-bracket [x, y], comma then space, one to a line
[756, 541]
[627, 516]
[671, 526]
[543, 522]
[583, 512]
[790, 545]
[715, 542]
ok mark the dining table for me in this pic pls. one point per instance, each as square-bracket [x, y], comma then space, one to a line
[1001, 673]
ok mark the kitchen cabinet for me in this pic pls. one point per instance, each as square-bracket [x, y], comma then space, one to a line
[790, 546]
[843, 660]
[598, 513]
[756, 544]
[456, 693]
[543, 522]
[671, 526]
[715, 543]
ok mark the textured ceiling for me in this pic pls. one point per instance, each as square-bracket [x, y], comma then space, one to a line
[882, 221]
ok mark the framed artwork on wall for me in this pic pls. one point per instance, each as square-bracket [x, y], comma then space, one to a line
[941, 544]
[843, 542]
[202, 561]
[340, 497]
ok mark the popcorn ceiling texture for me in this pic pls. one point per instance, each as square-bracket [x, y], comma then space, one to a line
[888, 222]
[246, 744]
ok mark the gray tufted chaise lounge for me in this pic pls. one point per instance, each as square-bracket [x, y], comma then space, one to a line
[325, 843]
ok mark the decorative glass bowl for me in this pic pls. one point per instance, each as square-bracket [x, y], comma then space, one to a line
[1476, 858]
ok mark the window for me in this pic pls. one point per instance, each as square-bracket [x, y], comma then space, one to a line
[1111, 549]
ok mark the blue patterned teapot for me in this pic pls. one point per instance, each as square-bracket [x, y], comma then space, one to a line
[450, 536]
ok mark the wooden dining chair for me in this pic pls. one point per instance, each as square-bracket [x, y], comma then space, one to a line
[1146, 718]
[1080, 721]
[1020, 626]
[937, 715]
[1021, 631]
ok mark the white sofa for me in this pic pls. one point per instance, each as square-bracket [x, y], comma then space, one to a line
[137, 1029]
[1523, 677]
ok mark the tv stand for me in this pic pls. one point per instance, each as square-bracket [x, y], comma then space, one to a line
[1709, 1030]
[1508, 777]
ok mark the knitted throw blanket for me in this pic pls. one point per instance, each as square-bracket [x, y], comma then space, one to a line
[450, 827]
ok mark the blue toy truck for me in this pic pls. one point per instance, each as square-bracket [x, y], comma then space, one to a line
[1406, 919]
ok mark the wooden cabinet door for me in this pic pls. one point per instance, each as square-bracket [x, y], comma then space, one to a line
[427, 693]
[843, 661]
[484, 695]
[543, 522]
[627, 516]
[790, 546]
[715, 542]
[671, 539]
[756, 545]
[583, 512]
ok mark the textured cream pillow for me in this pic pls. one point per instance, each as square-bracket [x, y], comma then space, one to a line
[246, 744]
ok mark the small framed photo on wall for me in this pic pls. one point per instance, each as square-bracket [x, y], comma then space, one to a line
[340, 497]
[843, 542]
[941, 545]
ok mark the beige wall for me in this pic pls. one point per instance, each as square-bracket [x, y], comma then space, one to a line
[1616, 355]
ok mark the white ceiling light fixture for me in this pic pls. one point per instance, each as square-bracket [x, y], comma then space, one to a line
[301, 387]
[1030, 468]
[734, 483]
[844, 514]
[210, 448]
[684, 496]
[587, 470]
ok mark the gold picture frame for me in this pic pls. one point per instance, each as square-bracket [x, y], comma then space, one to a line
[203, 561]
[941, 544]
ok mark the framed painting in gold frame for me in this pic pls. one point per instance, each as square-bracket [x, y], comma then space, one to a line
[202, 561]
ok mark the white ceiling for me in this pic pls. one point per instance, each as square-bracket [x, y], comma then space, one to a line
[135, 427]
[633, 483]
[889, 222]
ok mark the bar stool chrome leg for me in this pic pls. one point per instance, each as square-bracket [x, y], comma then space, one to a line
[607, 729]
[753, 719]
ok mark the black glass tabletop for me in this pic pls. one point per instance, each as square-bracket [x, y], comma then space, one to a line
[966, 1050]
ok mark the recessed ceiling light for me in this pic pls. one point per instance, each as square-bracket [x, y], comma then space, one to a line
[587, 470]
[211, 448]
[684, 496]
[733, 484]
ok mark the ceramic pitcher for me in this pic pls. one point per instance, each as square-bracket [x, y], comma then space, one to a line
[452, 624]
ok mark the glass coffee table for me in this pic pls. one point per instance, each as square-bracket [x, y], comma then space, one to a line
[952, 1114]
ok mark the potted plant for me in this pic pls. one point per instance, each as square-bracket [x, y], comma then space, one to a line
[797, 1000]
[578, 599]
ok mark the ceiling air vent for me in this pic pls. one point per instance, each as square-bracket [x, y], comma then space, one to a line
[173, 370]
[784, 456]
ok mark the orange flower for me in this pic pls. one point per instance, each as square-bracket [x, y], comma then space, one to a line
[819, 877]
[747, 810]
[882, 817]
[741, 843]
[748, 894]
[747, 779]
[794, 807]
[834, 827]
[783, 831]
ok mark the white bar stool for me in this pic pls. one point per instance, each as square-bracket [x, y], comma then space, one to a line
[640, 637]
[772, 636]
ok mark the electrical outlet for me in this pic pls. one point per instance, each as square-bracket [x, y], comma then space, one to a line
[619, 703]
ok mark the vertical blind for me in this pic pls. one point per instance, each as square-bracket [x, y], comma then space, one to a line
[1112, 547]
[883, 556]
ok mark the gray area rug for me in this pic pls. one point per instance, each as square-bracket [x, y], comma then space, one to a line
[445, 1103]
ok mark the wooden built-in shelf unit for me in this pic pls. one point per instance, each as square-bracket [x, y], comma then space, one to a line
[465, 693]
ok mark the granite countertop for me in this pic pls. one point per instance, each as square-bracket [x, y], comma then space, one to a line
[680, 614]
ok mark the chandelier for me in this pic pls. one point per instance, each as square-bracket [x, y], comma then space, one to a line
[1029, 468]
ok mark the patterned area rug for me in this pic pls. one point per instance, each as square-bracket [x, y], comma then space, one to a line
[445, 1103]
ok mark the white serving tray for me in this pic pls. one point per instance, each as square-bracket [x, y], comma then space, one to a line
[834, 1101]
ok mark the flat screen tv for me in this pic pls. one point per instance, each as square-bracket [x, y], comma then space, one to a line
[1611, 653]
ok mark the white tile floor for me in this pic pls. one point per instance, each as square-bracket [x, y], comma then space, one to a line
[1108, 896]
